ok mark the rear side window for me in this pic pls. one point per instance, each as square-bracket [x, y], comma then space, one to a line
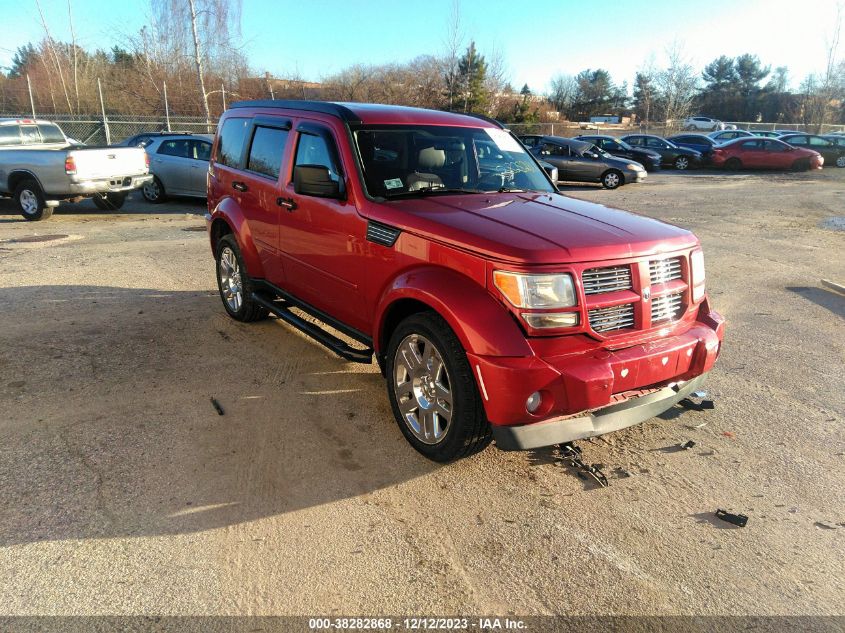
[230, 144]
[750, 145]
[10, 135]
[51, 133]
[312, 150]
[30, 134]
[180, 149]
[265, 154]
[819, 142]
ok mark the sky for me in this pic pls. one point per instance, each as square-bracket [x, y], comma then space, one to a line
[537, 38]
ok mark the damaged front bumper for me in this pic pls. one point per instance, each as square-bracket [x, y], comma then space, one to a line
[607, 420]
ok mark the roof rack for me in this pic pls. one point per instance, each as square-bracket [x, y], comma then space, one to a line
[483, 117]
[326, 107]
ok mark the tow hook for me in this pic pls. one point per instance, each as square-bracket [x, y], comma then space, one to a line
[572, 454]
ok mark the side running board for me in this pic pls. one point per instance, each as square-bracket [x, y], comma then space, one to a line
[281, 308]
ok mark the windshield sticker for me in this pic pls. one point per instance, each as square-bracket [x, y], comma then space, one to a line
[393, 183]
[504, 141]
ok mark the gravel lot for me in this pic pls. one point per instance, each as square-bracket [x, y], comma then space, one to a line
[122, 491]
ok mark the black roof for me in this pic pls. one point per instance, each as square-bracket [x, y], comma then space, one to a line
[325, 107]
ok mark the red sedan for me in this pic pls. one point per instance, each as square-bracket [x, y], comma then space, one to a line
[764, 153]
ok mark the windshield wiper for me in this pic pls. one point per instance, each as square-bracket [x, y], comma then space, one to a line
[423, 191]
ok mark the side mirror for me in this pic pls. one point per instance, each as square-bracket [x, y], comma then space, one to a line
[551, 170]
[592, 155]
[315, 180]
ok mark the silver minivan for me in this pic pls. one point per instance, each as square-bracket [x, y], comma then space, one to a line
[179, 164]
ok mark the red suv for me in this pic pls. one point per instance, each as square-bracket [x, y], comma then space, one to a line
[495, 306]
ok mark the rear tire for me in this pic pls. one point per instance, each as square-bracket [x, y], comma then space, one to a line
[153, 191]
[234, 283]
[612, 179]
[31, 201]
[432, 390]
[733, 164]
[109, 201]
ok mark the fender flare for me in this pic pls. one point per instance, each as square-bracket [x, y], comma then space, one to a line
[22, 171]
[228, 211]
[482, 324]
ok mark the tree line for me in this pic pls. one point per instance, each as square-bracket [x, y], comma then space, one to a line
[189, 55]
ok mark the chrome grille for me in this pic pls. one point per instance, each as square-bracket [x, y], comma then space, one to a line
[600, 280]
[666, 308]
[613, 318]
[663, 270]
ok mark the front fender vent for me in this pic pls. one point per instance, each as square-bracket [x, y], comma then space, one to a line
[382, 233]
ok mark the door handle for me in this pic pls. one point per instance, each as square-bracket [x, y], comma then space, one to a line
[240, 186]
[287, 203]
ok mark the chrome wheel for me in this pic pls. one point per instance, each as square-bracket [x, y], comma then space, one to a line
[840, 162]
[682, 162]
[151, 191]
[28, 202]
[230, 279]
[611, 180]
[422, 388]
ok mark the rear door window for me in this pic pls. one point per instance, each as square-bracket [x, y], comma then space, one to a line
[815, 141]
[202, 150]
[266, 151]
[10, 135]
[180, 148]
[797, 140]
[230, 143]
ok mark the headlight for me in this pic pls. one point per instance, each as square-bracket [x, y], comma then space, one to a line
[536, 291]
[633, 167]
[696, 262]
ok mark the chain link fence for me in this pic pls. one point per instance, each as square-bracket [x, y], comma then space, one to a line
[91, 130]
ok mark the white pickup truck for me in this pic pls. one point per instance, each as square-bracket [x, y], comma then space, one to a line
[39, 167]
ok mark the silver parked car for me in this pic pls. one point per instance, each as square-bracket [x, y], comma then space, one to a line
[179, 165]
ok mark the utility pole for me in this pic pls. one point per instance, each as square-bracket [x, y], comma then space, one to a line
[31, 100]
[166, 107]
[103, 109]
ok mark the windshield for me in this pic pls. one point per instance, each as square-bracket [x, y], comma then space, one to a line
[409, 160]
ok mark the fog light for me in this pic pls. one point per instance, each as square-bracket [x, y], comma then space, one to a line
[533, 402]
[539, 320]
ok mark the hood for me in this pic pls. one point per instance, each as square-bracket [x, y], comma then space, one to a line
[687, 151]
[647, 152]
[615, 161]
[532, 228]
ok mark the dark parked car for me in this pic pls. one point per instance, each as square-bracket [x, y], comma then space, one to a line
[584, 162]
[619, 148]
[700, 143]
[833, 154]
[671, 154]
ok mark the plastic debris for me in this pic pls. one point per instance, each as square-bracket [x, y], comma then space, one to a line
[217, 407]
[740, 520]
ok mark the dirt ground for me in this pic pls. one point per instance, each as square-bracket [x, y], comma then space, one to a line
[122, 491]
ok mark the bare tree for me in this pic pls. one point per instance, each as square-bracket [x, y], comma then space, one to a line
[676, 84]
[562, 91]
[51, 46]
[454, 45]
[75, 51]
[821, 92]
[198, 62]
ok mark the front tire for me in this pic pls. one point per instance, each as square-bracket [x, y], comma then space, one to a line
[612, 179]
[432, 390]
[234, 284]
[840, 161]
[31, 201]
[802, 164]
[109, 201]
[682, 163]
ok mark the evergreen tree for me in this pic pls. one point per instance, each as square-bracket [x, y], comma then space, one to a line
[472, 71]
